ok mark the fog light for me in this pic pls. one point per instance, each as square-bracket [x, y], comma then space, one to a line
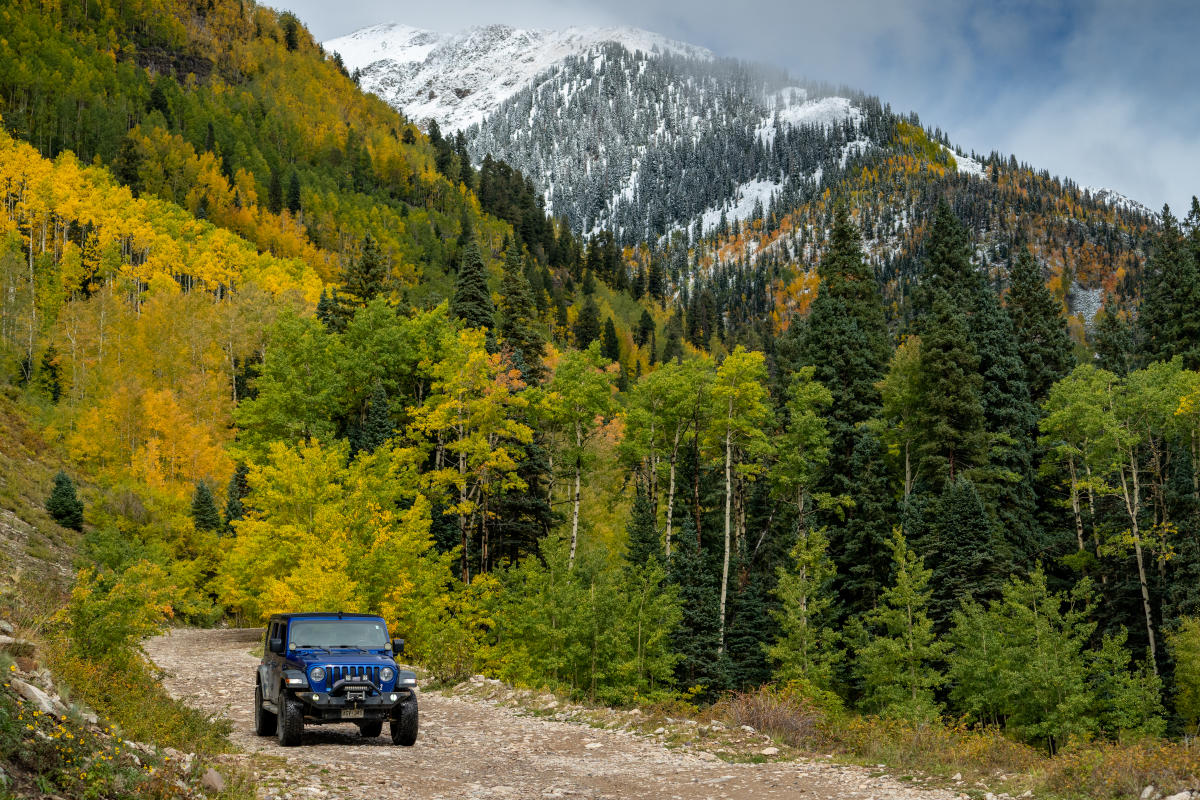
[394, 698]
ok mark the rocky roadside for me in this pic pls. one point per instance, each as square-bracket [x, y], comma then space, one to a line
[483, 740]
[53, 749]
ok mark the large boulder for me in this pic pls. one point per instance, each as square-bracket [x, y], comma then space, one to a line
[40, 700]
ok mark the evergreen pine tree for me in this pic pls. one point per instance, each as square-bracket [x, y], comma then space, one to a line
[239, 488]
[845, 339]
[466, 173]
[1039, 327]
[947, 266]
[897, 653]
[275, 193]
[204, 509]
[332, 312]
[49, 376]
[293, 193]
[673, 347]
[964, 549]
[645, 545]
[748, 635]
[367, 276]
[63, 506]
[610, 346]
[655, 284]
[291, 30]
[524, 516]
[1193, 230]
[645, 329]
[949, 422]
[804, 650]
[1113, 339]
[472, 301]
[1169, 317]
[127, 164]
[517, 317]
[1010, 418]
[377, 426]
[698, 636]
[858, 543]
[587, 325]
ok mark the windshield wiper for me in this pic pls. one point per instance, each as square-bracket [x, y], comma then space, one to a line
[350, 646]
[312, 647]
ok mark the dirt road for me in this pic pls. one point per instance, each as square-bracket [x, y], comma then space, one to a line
[469, 748]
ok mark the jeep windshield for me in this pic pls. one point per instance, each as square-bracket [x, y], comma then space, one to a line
[331, 634]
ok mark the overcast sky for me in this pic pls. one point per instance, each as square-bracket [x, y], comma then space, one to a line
[1105, 92]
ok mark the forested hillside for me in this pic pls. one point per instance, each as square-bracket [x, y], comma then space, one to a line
[304, 356]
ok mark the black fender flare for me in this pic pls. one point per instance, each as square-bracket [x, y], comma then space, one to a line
[263, 680]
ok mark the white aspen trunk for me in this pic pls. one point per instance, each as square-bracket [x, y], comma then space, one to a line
[32, 306]
[728, 505]
[1131, 491]
[463, 521]
[575, 500]
[1075, 505]
[1092, 515]
[908, 476]
[671, 491]
[653, 482]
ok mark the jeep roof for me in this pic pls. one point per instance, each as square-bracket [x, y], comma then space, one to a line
[322, 615]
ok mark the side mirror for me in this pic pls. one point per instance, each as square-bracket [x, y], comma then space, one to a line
[397, 647]
[275, 645]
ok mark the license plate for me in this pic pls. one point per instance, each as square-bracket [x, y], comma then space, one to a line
[352, 713]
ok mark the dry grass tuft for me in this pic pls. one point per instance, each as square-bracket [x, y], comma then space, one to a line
[781, 714]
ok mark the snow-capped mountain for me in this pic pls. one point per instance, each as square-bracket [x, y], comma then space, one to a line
[458, 79]
[663, 142]
[621, 128]
[1118, 200]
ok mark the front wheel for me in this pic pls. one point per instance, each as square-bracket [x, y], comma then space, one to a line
[264, 721]
[291, 721]
[404, 725]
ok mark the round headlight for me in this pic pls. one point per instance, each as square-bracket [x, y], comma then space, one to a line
[317, 675]
[386, 674]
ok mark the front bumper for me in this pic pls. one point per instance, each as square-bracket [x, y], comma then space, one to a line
[323, 707]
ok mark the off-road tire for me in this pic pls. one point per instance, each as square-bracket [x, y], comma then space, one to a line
[404, 725]
[291, 721]
[371, 728]
[265, 722]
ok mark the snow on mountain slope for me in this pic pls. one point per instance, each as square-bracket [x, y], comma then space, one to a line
[651, 139]
[458, 79]
[1118, 200]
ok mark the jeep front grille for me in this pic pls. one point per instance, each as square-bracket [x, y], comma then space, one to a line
[339, 673]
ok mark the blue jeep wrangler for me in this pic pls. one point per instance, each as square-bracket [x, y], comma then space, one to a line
[333, 667]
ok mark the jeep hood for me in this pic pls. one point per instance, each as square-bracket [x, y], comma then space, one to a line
[340, 658]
